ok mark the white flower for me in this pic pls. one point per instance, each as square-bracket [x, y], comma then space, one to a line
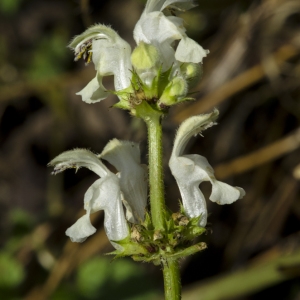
[125, 157]
[161, 31]
[105, 193]
[110, 55]
[190, 170]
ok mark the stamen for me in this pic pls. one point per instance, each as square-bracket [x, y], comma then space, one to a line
[84, 52]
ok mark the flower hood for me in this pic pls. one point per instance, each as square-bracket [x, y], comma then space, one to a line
[110, 55]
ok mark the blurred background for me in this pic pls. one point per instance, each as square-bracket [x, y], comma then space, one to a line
[251, 75]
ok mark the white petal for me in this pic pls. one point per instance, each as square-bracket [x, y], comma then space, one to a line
[147, 76]
[155, 28]
[168, 58]
[125, 157]
[190, 51]
[111, 56]
[154, 5]
[190, 127]
[180, 4]
[159, 5]
[178, 22]
[94, 91]
[129, 213]
[222, 193]
[82, 229]
[95, 31]
[78, 158]
[104, 194]
[188, 181]
[161, 31]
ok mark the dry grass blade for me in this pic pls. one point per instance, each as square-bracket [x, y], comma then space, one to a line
[26, 88]
[259, 157]
[268, 224]
[84, 7]
[274, 266]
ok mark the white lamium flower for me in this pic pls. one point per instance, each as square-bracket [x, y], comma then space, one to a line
[103, 194]
[161, 31]
[153, 62]
[190, 170]
[125, 157]
[110, 55]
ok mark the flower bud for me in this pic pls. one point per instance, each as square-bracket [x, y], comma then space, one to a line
[174, 92]
[146, 60]
[192, 73]
[145, 56]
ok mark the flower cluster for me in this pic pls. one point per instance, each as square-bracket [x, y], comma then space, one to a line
[159, 75]
[163, 71]
[128, 187]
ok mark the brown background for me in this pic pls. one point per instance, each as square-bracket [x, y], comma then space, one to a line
[251, 75]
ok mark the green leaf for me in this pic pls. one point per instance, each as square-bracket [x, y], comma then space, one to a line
[21, 220]
[123, 269]
[99, 278]
[12, 272]
[65, 292]
[49, 57]
[92, 275]
[9, 6]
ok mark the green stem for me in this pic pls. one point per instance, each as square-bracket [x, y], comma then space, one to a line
[157, 202]
[157, 198]
[156, 180]
[171, 280]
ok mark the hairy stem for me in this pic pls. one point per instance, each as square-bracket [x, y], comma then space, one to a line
[157, 202]
[171, 272]
[171, 280]
[156, 180]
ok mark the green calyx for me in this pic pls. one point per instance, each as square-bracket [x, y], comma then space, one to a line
[174, 92]
[150, 245]
[159, 95]
[140, 95]
[192, 73]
